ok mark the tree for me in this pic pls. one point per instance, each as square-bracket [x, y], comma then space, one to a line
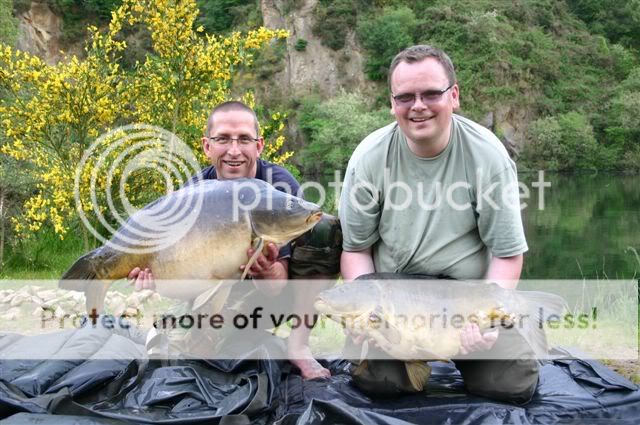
[564, 143]
[334, 128]
[385, 36]
[53, 114]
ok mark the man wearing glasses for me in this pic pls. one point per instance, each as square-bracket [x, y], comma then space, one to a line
[233, 145]
[436, 194]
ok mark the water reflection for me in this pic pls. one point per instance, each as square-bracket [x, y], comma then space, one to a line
[589, 228]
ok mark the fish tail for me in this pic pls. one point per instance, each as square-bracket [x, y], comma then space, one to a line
[82, 277]
[418, 373]
[82, 269]
[540, 306]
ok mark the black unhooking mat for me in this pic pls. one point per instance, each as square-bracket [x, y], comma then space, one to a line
[120, 390]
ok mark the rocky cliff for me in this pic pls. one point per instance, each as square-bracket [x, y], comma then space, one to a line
[317, 68]
[39, 32]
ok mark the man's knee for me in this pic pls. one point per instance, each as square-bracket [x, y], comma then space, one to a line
[513, 381]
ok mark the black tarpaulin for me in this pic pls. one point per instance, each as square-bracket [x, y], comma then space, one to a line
[231, 392]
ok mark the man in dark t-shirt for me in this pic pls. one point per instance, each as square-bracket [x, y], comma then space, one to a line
[233, 144]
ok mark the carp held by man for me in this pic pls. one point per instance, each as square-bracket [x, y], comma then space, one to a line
[418, 320]
[199, 233]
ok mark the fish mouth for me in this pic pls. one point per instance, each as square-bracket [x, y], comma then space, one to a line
[314, 218]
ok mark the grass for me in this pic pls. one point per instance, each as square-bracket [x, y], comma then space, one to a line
[43, 256]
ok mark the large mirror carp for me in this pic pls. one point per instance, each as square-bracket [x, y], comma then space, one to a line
[419, 320]
[199, 233]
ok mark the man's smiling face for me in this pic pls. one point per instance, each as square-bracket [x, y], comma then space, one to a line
[424, 124]
[233, 160]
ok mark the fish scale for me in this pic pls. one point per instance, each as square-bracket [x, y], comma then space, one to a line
[212, 249]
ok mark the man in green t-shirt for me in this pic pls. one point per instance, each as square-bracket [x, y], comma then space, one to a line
[437, 194]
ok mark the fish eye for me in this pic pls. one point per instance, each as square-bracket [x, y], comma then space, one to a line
[374, 317]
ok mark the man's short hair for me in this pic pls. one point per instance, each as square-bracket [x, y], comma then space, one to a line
[419, 53]
[231, 105]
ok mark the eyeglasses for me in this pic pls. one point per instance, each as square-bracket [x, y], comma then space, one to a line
[225, 140]
[428, 97]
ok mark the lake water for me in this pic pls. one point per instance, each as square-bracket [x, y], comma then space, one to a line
[588, 228]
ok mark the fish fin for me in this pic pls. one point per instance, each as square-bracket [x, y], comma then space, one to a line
[215, 297]
[418, 373]
[540, 305]
[95, 293]
[204, 298]
[359, 370]
[258, 244]
[364, 350]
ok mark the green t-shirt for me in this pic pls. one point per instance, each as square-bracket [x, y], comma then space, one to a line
[439, 216]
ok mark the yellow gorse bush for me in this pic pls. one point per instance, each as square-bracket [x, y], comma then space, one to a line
[53, 113]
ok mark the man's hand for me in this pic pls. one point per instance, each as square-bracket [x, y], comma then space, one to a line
[142, 279]
[268, 267]
[471, 340]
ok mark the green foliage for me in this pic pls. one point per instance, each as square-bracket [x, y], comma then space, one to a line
[269, 60]
[8, 24]
[301, 45]
[565, 142]
[618, 20]
[221, 16]
[622, 119]
[334, 128]
[384, 36]
[21, 6]
[45, 257]
[77, 14]
[334, 19]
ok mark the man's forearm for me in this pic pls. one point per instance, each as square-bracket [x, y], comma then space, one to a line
[356, 263]
[505, 271]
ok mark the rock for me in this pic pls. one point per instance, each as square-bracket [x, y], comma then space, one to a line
[317, 68]
[19, 298]
[11, 314]
[39, 32]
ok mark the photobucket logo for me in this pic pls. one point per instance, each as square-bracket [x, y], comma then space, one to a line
[132, 152]
[483, 193]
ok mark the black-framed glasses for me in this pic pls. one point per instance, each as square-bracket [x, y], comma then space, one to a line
[428, 97]
[226, 140]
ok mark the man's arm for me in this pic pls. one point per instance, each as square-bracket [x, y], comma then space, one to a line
[356, 263]
[505, 271]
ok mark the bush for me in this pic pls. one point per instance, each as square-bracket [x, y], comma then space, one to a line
[221, 16]
[565, 143]
[333, 19]
[334, 128]
[618, 20]
[385, 36]
[301, 44]
[622, 124]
